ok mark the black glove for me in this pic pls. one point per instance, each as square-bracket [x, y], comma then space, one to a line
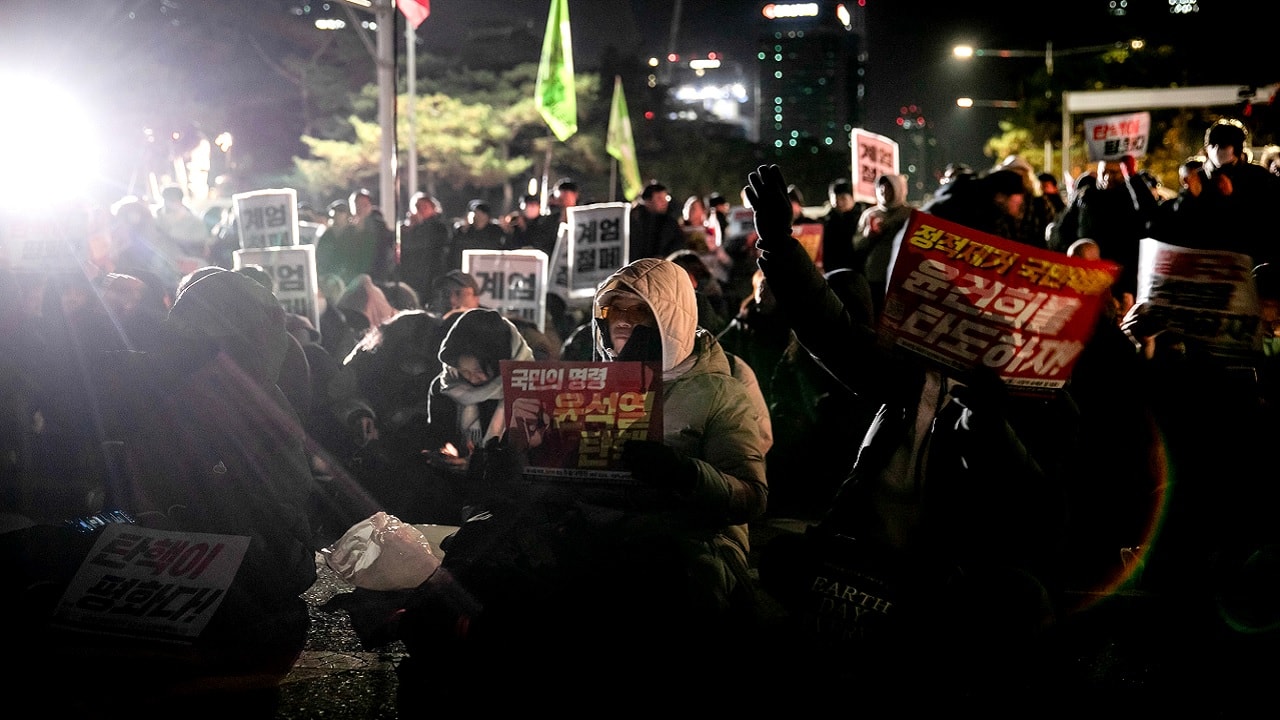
[766, 191]
[983, 390]
[659, 464]
[645, 345]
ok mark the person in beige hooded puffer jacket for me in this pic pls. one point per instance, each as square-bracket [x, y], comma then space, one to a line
[710, 464]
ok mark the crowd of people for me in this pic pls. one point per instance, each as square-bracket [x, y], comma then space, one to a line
[169, 385]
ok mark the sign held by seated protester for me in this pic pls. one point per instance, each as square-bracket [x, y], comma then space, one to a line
[293, 273]
[1205, 295]
[513, 282]
[572, 418]
[964, 299]
[143, 582]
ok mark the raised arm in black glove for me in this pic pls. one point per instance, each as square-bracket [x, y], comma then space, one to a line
[659, 464]
[766, 191]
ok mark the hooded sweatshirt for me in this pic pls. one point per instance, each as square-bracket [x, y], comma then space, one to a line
[490, 338]
[707, 413]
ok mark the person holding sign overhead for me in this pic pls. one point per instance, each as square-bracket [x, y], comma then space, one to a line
[956, 487]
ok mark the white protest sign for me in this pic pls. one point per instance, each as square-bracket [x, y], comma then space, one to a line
[39, 242]
[1114, 136]
[873, 155]
[513, 282]
[599, 244]
[293, 269]
[267, 218]
[1208, 295]
[151, 583]
[558, 265]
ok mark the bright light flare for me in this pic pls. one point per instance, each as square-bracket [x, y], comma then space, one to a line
[50, 149]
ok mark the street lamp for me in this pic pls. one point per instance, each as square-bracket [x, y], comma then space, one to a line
[968, 102]
[966, 52]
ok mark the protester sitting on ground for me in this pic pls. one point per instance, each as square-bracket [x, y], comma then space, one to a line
[379, 396]
[464, 401]
[364, 306]
[455, 290]
[680, 524]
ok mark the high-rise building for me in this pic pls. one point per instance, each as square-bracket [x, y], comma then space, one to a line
[812, 85]
[709, 86]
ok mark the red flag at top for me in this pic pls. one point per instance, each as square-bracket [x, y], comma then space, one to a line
[415, 11]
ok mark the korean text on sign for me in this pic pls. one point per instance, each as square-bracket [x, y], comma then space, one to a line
[962, 298]
[151, 582]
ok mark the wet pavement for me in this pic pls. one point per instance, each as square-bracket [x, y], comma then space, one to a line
[335, 678]
[1128, 653]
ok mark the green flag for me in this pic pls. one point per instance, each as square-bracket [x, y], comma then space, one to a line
[555, 96]
[621, 145]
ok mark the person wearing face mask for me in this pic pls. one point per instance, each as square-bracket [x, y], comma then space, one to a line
[708, 472]
[1223, 210]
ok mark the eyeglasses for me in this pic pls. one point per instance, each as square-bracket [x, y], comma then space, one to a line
[633, 314]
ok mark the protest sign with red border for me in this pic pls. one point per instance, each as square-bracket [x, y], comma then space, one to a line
[1206, 295]
[573, 417]
[963, 299]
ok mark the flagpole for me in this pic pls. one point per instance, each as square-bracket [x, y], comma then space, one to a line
[546, 171]
[384, 12]
[613, 180]
[411, 151]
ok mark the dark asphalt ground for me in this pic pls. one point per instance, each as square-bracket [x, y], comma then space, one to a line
[1128, 655]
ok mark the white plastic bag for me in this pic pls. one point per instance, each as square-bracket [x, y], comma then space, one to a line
[382, 553]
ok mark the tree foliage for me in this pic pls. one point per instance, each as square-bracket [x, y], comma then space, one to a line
[474, 131]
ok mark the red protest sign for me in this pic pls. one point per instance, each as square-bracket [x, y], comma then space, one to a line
[572, 418]
[960, 298]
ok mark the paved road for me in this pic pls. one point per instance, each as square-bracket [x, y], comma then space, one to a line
[1130, 653]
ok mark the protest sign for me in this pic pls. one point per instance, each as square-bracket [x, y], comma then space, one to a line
[1114, 136]
[293, 272]
[599, 243]
[810, 236]
[513, 282]
[962, 299]
[742, 222]
[151, 583]
[873, 155]
[43, 242]
[572, 418]
[267, 218]
[1206, 295]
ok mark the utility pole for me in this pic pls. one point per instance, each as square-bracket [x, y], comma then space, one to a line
[384, 59]
[671, 39]
[385, 17]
